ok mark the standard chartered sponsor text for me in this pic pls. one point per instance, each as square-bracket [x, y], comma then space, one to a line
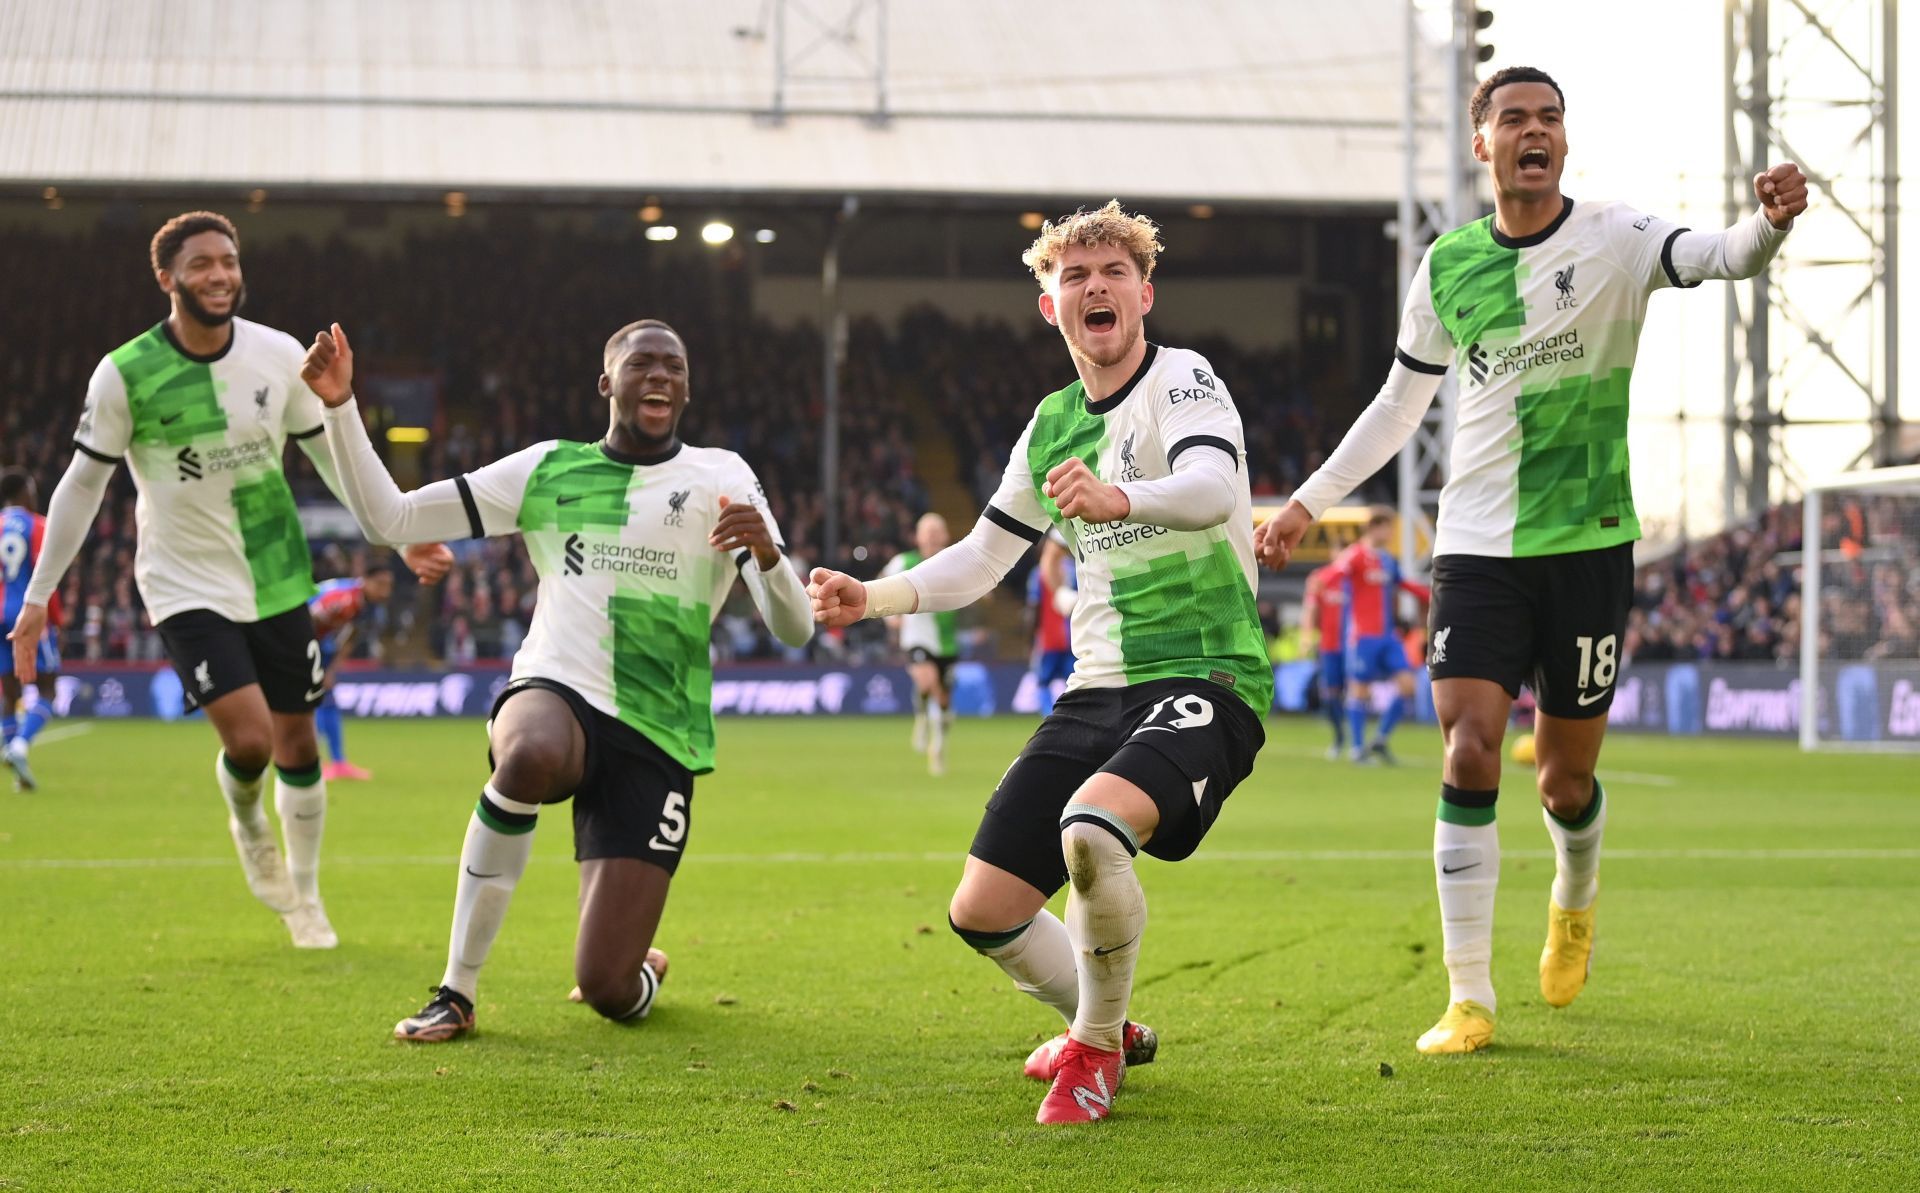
[660, 563]
[1105, 536]
[1547, 350]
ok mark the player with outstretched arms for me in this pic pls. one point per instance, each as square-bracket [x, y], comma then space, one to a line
[21, 532]
[1538, 307]
[200, 407]
[931, 642]
[637, 539]
[1139, 464]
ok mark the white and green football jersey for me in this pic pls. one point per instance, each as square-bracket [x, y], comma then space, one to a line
[629, 585]
[936, 633]
[1154, 603]
[1543, 331]
[203, 438]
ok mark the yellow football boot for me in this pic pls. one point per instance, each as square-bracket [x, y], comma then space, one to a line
[1568, 957]
[1466, 1027]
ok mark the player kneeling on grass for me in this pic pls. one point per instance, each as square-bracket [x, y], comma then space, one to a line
[637, 539]
[1538, 307]
[1138, 464]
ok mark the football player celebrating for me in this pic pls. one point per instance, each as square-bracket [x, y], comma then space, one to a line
[1138, 464]
[1539, 307]
[637, 539]
[200, 407]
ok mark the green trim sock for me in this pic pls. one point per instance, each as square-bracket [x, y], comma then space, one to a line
[1576, 853]
[494, 856]
[242, 793]
[300, 797]
[1038, 956]
[1466, 872]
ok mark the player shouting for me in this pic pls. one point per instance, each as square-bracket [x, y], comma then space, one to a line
[637, 539]
[200, 407]
[1539, 308]
[1138, 463]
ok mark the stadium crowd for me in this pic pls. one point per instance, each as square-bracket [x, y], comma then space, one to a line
[1736, 595]
[517, 363]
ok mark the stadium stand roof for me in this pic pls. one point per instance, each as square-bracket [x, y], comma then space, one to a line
[1235, 101]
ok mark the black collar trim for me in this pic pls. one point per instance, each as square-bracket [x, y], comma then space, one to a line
[1112, 401]
[1526, 242]
[166, 329]
[620, 457]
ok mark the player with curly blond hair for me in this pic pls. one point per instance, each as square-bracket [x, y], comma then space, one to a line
[1137, 464]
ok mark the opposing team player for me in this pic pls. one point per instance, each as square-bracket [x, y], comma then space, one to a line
[1138, 464]
[1323, 619]
[931, 642]
[1051, 594]
[1369, 577]
[637, 539]
[1539, 307]
[336, 608]
[200, 407]
[21, 531]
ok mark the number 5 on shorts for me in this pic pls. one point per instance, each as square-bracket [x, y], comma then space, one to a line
[673, 824]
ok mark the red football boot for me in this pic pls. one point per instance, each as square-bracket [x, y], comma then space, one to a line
[1083, 1085]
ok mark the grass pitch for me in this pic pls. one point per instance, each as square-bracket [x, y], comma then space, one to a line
[1750, 1022]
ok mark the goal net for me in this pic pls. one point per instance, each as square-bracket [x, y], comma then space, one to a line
[1860, 612]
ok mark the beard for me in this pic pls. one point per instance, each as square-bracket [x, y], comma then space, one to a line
[205, 318]
[1113, 356]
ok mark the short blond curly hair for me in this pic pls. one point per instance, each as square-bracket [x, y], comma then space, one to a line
[1110, 225]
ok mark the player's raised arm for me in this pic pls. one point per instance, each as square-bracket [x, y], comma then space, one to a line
[1665, 254]
[475, 506]
[1420, 360]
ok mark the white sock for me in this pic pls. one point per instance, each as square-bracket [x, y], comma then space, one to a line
[1040, 960]
[303, 821]
[499, 842]
[936, 729]
[1466, 868]
[1576, 853]
[242, 796]
[1106, 913]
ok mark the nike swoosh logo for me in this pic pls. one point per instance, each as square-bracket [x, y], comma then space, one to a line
[173, 418]
[316, 693]
[1115, 948]
[306, 815]
[567, 500]
[1583, 701]
[1457, 869]
[662, 846]
[477, 873]
[1463, 312]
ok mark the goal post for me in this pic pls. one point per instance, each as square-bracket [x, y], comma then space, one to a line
[1860, 612]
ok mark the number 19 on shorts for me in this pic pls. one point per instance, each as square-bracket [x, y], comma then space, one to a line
[1599, 662]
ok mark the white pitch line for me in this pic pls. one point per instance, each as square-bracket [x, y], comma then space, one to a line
[858, 859]
[1631, 778]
